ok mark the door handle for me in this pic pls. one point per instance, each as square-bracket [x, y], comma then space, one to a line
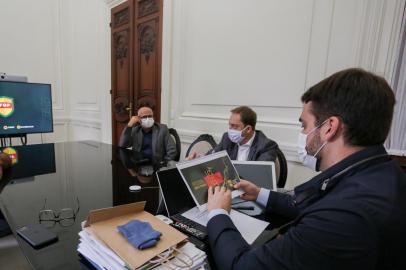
[130, 110]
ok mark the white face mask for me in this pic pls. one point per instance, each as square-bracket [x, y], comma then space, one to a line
[235, 135]
[147, 122]
[146, 170]
[309, 161]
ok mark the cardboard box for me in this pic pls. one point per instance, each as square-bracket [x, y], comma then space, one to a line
[103, 223]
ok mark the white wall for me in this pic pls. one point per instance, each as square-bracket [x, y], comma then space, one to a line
[265, 54]
[67, 44]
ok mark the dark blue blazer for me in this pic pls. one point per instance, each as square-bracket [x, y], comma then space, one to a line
[357, 222]
[262, 148]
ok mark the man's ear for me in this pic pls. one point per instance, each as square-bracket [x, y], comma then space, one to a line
[248, 129]
[331, 128]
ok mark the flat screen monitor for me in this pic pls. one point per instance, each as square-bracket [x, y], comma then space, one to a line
[25, 108]
[31, 160]
[261, 173]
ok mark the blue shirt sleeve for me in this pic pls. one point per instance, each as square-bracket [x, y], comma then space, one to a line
[215, 212]
[263, 197]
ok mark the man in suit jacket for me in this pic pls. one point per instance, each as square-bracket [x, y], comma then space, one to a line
[350, 216]
[242, 141]
[147, 137]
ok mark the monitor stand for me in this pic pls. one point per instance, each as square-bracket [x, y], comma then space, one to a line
[23, 138]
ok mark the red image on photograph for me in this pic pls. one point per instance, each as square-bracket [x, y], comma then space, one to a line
[213, 179]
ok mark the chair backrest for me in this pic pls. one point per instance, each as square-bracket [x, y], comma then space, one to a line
[174, 134]
[203, 144]
[281, 168]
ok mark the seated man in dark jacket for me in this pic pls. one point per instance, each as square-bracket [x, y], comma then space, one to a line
[350, 216]
[242, 141]
[147, 137]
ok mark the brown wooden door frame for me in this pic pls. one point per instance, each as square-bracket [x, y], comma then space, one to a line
[136, 60]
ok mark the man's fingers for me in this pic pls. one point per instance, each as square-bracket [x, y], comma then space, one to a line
[228, 192]
[216, 189]
[210, 191]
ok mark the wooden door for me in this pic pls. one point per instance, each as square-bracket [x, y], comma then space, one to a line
[136, 53]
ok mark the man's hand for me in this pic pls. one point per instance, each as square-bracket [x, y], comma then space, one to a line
[193, 156]
[251, 190]
[219, 198]
[135, 120]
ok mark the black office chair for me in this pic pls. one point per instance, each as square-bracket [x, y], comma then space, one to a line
[281, 168]
[203, 144]
[176, 139]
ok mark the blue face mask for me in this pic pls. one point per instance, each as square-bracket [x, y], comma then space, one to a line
[235, 135]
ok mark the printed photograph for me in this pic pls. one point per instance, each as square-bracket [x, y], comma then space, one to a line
[208, 171]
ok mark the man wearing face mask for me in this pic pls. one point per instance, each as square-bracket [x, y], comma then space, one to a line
[147, 137]
[350, 216]
[242, 141]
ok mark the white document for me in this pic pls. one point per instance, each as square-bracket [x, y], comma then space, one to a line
[93, 249]
[249, 227]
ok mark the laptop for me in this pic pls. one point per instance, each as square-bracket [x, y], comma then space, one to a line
[177, 200]
[261, 173]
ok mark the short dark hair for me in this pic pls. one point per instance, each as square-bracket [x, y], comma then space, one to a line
[248, 116]
[363, 101]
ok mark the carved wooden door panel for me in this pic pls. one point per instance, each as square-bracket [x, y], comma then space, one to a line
[136, 37]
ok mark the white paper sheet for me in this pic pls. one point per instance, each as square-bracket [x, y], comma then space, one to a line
[249, 227]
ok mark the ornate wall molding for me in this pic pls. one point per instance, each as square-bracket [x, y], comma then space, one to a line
[379, 36]
[198, 116]
[87, 123]
[57, 87]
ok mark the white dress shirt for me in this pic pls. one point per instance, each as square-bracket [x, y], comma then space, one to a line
[244, 149]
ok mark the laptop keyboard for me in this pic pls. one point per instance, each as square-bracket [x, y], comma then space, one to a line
[189, 226]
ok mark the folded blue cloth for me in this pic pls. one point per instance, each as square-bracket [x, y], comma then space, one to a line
[140, 234]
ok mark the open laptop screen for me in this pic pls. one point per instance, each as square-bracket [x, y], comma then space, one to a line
[176, 195]
[261, 173]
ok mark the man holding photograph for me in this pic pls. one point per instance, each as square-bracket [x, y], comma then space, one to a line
[350, 216]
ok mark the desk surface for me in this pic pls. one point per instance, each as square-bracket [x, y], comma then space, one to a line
[94, 174]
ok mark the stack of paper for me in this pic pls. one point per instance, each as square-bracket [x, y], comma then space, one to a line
[97, 253]
[102, 257]
[106, 248]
